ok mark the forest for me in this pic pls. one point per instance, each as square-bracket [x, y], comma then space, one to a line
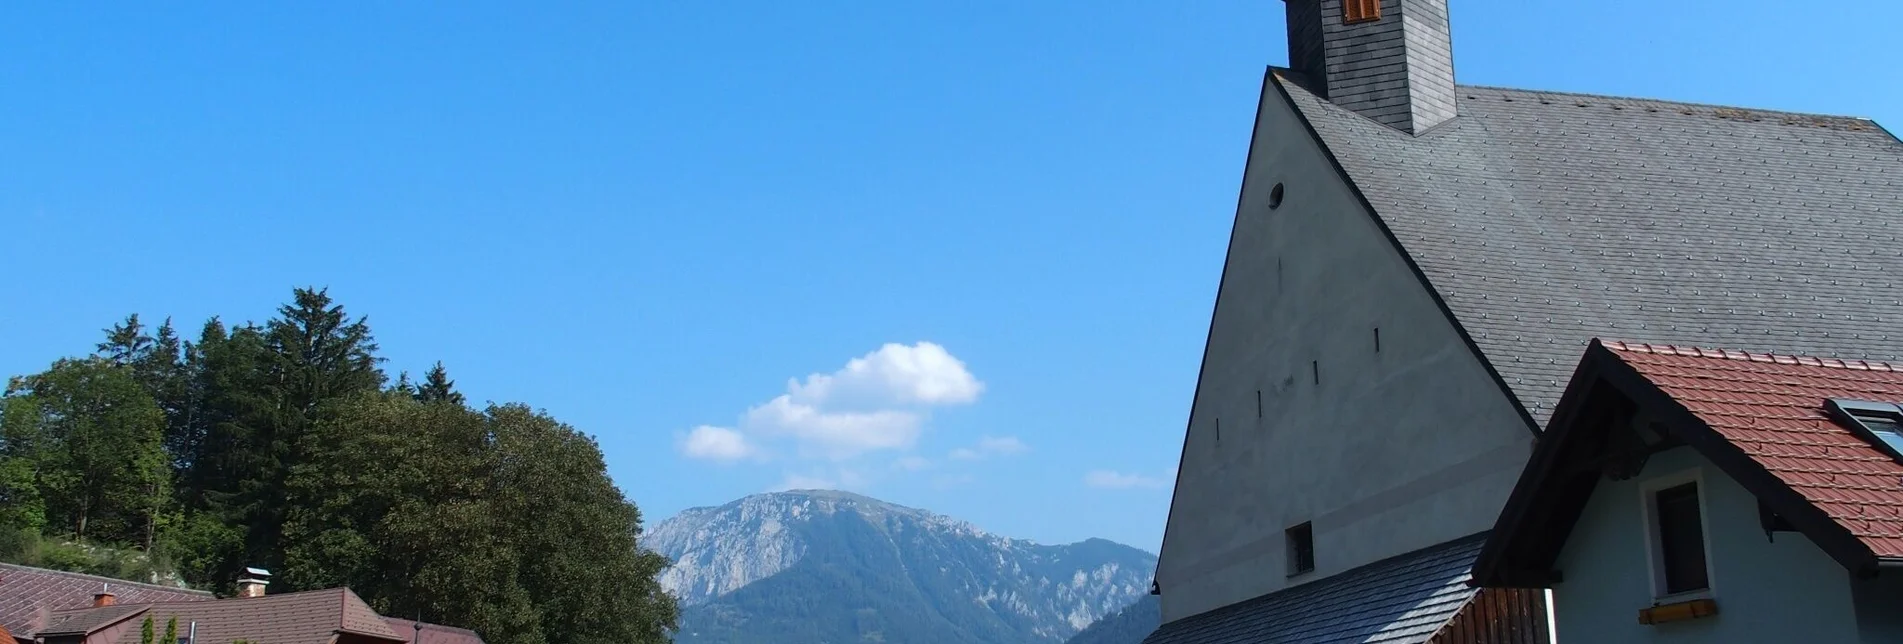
[286, 446]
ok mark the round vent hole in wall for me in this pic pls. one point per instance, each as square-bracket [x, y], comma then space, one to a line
[1275, 197]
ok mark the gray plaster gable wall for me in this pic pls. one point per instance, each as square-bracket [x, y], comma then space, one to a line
[1785, 590]
[1545, 219]
[1386, 451]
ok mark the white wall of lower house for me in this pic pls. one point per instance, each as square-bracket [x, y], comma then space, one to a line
[1785, 590]
[1385, 450]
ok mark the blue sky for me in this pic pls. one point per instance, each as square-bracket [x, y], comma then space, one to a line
[649, 218]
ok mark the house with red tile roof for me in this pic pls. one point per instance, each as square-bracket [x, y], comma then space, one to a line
[332, 616]
[1687, 494]
[29, 595]
[422, 633]
[52, 607]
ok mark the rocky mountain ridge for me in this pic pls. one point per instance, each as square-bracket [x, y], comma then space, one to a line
[837, 566]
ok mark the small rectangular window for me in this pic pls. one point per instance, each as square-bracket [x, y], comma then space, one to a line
[1353, 11]
[1301, 549]
[1681, 539]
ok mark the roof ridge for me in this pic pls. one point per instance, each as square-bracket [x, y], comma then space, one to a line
[102, 579]
[1659, 101]
[432, 625]
[1746, 356]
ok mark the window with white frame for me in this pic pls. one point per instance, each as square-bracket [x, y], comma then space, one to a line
[1675, 534]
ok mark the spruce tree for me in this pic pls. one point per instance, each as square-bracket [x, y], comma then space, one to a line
[437, 386]
[318, 356]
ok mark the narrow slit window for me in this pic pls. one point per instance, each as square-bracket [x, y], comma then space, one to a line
[1301, 548]
[1354, 11]
[1681, 539]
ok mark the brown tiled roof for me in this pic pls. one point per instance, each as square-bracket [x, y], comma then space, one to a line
[1765, 421]
[312, 617]
[430, 633]
[1772, 407]
[87, 620]
[27, 594]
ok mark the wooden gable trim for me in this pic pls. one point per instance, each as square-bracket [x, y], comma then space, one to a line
[1498, 616]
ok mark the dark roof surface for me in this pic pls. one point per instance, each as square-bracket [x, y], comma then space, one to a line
[1545, 219]
[312, 617]
[1397, 600]
[1772, 407]
[432, 633]
[25, 592]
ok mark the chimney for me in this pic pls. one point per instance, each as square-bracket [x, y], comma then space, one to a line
[104, 597]
[253, 583]
[1390, 60]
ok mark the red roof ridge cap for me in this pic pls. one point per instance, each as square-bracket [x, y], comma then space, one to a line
[1732, 354]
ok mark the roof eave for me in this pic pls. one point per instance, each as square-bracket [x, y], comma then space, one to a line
[1602, 365]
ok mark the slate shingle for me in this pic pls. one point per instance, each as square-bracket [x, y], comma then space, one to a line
[1546, 219]
[1401, 600]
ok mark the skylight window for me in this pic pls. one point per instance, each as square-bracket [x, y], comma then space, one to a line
[1881, 423]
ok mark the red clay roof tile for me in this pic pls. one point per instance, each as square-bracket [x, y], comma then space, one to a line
[430, 633]
[27, 594]
[1772, 407]
[312, 617]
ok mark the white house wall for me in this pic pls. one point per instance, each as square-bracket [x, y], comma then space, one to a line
[1785, 590]
[1385, 450]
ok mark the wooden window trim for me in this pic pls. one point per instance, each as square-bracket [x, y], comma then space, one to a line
[1359, 11]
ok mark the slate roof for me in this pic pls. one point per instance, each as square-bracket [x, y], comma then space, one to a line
[26, 592]
[432, 633]
[312, 617]
[1545, 219]
[1772, 407]
[1403, 599]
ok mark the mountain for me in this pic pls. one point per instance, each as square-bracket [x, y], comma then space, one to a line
[1127, 626]
[826, 567]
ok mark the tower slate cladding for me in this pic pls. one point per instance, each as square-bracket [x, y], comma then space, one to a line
[1389, 60]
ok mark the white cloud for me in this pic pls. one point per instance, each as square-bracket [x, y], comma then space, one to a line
[895, 374]
[1004, 446]
[841, 479]
[804, 482]
[877, 402]
[953, 480]
[912, 463]
[717, 444]
[1110, 479]
[991, 446]
[835, 434]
